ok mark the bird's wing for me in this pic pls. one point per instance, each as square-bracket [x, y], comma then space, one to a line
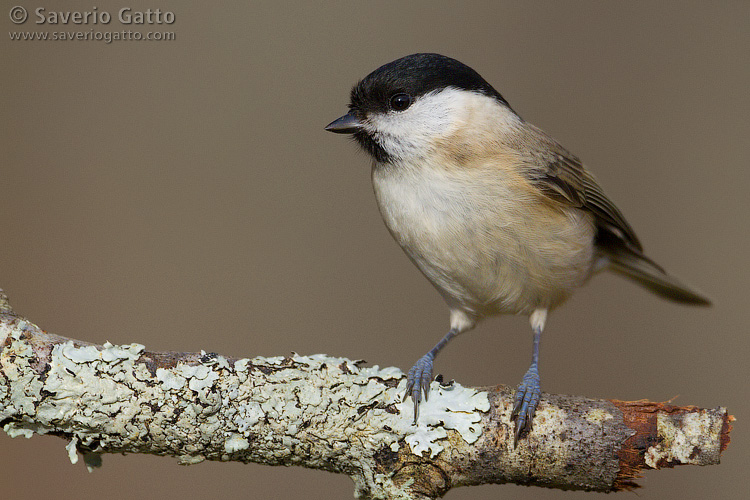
[560, 176]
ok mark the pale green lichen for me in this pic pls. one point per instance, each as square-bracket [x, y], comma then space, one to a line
[240, 366]
[235, 443]
[15, 431]
[453, 407]
[72, 451]
[294, 394]
[15, 364]
[259, 409]
[169, 379]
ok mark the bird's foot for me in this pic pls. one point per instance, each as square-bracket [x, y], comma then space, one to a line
[525, 402]
[418, 382]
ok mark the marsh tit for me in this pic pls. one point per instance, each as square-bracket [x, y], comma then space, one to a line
[499, 217]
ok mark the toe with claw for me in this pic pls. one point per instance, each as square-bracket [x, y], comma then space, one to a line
[525, 403]
[418, 382]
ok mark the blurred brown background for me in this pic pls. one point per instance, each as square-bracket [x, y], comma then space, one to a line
[184, 195]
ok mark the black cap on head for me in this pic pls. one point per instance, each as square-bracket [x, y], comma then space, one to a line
[395, 85]
[416, 75]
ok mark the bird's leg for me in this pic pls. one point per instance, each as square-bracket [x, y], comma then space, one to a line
[419, 377]
[529, 390]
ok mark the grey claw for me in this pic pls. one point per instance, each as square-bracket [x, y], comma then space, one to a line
[409, 386]
[517, 435]
[418, 382]
[426, 379]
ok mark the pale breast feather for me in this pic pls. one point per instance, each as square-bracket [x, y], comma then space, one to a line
[474, 243]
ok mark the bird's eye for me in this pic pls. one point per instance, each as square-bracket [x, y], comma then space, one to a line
[400, 102]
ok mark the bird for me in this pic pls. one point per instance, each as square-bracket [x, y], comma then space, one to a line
[496, 214]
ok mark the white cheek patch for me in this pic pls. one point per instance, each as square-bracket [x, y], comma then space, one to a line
[412, 132]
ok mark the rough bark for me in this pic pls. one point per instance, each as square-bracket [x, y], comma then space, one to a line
[333, 414]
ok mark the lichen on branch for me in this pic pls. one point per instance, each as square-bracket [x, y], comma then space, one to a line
[329, 413]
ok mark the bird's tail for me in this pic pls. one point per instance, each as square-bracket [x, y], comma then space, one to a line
[634, 265]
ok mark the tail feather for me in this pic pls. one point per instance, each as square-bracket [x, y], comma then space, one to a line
[649, 274]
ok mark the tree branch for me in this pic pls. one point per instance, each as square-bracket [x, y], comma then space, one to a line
[333, 414]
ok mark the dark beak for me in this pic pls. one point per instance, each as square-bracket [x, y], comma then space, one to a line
[347, 124]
